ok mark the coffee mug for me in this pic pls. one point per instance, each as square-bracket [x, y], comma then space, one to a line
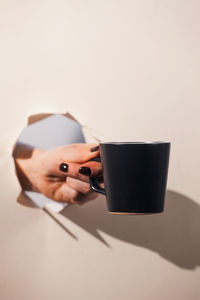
[134, 175]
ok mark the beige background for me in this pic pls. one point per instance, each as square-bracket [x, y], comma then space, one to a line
[130, 71]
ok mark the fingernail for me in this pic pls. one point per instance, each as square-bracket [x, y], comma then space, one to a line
[85, 170]
[63, 167]
[94, 149]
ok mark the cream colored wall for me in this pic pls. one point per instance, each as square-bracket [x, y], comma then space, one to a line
[129, 70]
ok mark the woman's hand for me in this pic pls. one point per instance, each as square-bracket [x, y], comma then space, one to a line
[62, 173]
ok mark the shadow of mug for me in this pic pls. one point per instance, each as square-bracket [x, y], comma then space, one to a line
[173, 234]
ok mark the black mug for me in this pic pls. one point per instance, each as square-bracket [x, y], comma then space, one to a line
[135, 176]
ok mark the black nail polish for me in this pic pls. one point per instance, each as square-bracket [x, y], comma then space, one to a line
[63, 167]
[85, 170]
[94, 149]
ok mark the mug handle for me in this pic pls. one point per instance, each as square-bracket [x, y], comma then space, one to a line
[94, 181]
[95, 187]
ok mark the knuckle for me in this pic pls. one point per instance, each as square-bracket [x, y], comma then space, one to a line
[67, 196]
[75, 195]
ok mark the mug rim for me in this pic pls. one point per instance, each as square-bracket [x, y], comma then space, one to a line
[135, 143]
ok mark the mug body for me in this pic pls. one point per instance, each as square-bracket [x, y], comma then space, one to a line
[135, 176]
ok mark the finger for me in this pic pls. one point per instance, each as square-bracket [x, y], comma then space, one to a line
[81, 172]
[72, 170]
[63, 170]
[66, 194]
[85, 152]
[76, 170]
[91, 168]
[74, 153]
[80, 153]
[78, 185]
[70, 195]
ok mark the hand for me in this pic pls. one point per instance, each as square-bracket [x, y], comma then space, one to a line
[62, 173]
